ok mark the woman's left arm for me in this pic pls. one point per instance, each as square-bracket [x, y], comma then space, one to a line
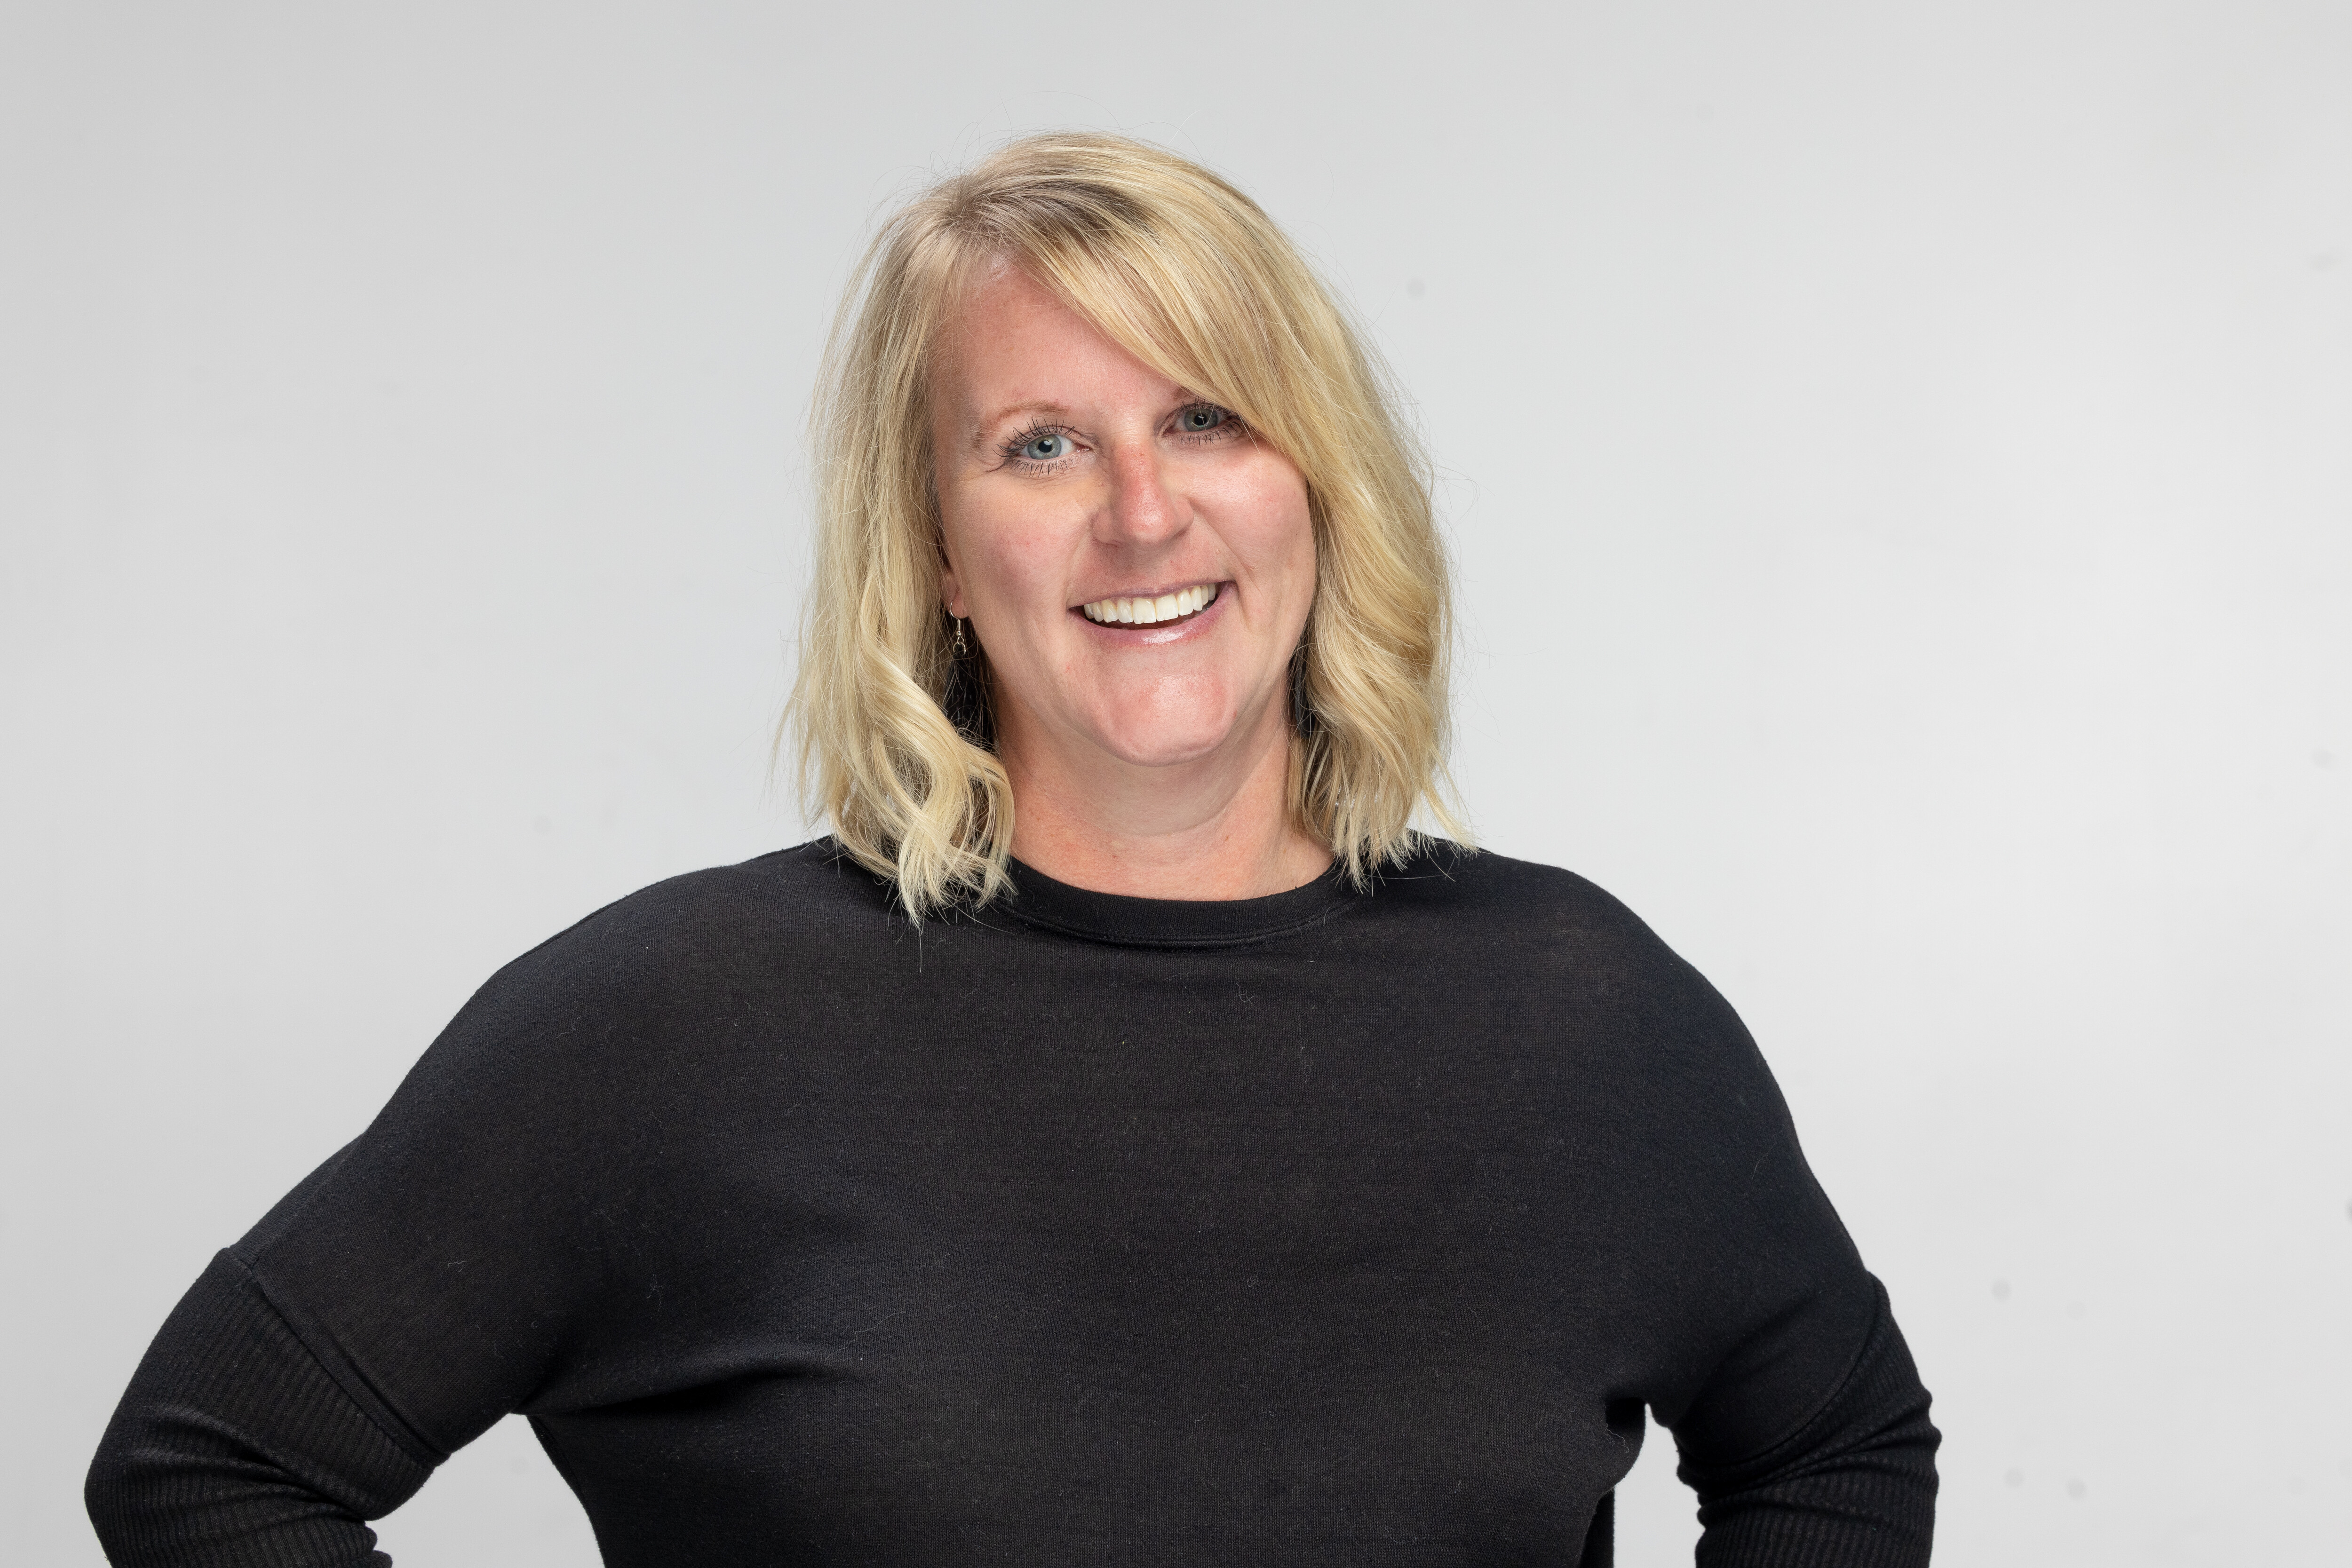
[1802, 1422]
[1854, 1487]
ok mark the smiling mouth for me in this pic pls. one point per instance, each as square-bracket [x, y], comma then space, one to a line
[1180, 605]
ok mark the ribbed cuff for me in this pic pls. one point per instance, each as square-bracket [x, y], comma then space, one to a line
[234, 1447]
[1854, 1488]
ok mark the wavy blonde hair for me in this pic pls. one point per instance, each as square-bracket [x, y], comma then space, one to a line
[1184, 272]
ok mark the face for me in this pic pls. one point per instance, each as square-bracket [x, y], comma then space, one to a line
[1138, 565]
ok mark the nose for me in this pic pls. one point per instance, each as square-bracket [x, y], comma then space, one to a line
[1142, 509]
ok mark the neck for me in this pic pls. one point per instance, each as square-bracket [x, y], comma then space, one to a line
[1216, 828]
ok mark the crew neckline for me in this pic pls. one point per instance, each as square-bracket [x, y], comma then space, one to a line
[1038, 900]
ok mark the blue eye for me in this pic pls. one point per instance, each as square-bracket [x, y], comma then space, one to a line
[1201, 417]
[1045, 446]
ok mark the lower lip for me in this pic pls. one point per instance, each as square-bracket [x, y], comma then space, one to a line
[1159, 632]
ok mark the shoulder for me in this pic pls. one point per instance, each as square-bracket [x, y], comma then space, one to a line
[704, 933]
[800, 891]
[1520, 904]
[1548, 943]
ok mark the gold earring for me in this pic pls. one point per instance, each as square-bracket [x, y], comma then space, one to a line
[961, 649]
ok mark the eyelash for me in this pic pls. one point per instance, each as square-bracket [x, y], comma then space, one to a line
[1036, 432]
[1225, 430]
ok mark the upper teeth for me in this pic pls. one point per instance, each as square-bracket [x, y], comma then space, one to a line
[1144, 612]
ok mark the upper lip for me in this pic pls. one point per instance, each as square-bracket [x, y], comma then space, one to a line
[1175, 587]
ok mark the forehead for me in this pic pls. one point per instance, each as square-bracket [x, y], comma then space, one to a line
[1009, 341]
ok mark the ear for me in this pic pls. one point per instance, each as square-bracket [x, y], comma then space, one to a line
[952, 593]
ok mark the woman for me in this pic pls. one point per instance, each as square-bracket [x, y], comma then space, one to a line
[1124, 1140]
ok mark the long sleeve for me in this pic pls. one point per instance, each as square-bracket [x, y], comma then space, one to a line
[234, 1446]
[1768, 1350]
[1854, 1487]
[401, 1298]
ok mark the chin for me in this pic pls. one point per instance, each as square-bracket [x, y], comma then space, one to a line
[1166, 739]
[1160, 751]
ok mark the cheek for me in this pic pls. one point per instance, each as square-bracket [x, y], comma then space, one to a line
[1273, 528]
[1007, 567]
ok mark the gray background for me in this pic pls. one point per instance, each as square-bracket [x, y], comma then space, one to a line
[1900, 459]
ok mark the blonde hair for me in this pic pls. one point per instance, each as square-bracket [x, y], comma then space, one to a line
[1184, 272]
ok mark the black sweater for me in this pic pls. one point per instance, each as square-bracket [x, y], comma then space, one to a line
[1314, 1230]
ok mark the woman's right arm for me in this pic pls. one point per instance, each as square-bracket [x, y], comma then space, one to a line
[431, 1277]
[234, 1445]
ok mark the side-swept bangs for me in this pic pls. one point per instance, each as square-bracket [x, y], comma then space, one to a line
[1187, 274]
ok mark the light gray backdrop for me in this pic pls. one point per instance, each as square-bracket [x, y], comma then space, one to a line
[1900, 461]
